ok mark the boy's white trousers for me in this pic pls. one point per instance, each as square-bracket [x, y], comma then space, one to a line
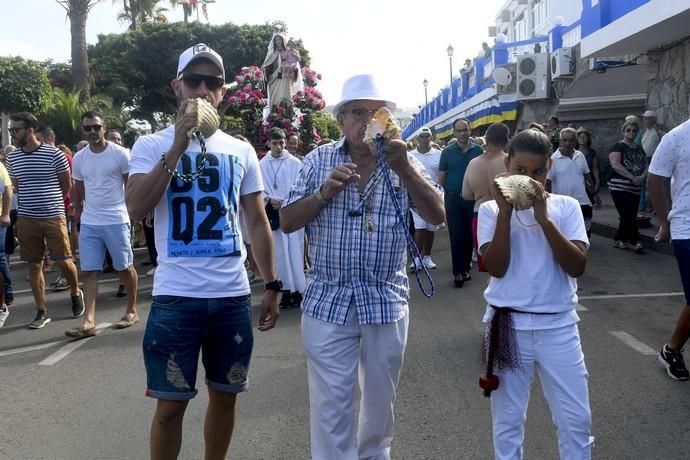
[556, 355]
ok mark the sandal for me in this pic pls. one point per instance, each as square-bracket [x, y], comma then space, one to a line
[128, 320]
[81, 333]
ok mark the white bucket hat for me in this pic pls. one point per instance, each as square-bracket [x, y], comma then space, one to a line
[359, 87]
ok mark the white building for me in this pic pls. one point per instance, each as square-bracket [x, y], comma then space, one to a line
[524, 19]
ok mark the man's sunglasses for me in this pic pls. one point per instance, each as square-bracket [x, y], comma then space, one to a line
[89, 128]
[194, 81]
[14, 131]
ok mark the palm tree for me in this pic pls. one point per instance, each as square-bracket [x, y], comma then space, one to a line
[66, 108]
[140, 11]
[77, 12]
[191, 6]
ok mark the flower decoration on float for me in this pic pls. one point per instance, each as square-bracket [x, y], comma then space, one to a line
[309, 100]
[310, 77]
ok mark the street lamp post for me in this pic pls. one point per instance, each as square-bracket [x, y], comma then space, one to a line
[450, 50]
[426, 85]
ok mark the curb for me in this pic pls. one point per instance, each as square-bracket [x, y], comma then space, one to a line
[608, 231]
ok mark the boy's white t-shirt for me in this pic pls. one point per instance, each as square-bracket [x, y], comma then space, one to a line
[672, 159]
[535, 281]
[102, 173]
[197, 229]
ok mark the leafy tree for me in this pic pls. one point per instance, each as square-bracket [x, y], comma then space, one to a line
[65, 111]
[191, 6]
[24, 85]
[137, 12]
[59, 74]
[77, 12]
[326, 125]
[135, 68]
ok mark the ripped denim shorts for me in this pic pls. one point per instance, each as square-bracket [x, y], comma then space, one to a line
[178, 328]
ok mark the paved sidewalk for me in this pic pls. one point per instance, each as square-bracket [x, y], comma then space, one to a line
[605, 223]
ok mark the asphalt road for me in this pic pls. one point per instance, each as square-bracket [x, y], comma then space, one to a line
[60, 402]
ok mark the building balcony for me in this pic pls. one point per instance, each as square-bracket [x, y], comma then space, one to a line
[623, 27]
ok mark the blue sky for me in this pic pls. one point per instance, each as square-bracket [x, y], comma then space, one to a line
[401, 43]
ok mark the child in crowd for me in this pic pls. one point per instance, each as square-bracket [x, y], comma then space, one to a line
[534, 256]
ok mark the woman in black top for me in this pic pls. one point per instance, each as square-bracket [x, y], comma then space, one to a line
[592, 181]
[629, 171]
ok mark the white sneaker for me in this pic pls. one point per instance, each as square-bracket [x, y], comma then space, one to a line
[3, 315]
[428, 263]
[419, 264]
[151, 271]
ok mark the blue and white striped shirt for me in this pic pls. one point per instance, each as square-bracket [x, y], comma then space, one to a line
[346, 260]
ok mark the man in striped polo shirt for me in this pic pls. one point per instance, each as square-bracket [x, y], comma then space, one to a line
[40, 174]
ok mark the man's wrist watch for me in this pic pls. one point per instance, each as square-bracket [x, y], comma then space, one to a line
[276, 285]
[319, 196]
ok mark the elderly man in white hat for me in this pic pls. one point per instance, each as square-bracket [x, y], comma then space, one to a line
[355, 307]
[201, 295]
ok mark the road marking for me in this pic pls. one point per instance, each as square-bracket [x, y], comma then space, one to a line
[581, 308]
[633, 343]
[69, 348]
[627, 296]
[40, 346]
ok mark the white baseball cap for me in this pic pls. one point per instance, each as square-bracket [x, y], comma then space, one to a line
[425, 130]
[361, 87]
[200, 50]
[649, 114]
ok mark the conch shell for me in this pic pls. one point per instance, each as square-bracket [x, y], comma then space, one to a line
[383, 123]
[517, 190]
[207, 117]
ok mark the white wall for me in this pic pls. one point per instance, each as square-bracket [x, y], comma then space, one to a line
[537, 17]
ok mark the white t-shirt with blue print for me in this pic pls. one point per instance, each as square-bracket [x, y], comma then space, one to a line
[198, 234]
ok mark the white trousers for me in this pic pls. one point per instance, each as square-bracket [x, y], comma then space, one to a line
[556, 355]
[334, 353]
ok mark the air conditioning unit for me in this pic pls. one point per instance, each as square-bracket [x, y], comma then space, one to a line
[533, 76]
[506, 78]
[561, 63]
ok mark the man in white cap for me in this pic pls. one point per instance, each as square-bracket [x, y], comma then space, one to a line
[423, 231]
[649, 138]
[201, 292]
[355, 307]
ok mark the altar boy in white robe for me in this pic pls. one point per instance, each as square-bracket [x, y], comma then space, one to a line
[279, 170]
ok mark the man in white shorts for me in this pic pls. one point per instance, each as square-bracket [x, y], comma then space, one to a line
[100, 172]
[424, 231]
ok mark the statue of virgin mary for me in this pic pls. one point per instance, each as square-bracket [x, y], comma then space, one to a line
[281, 68]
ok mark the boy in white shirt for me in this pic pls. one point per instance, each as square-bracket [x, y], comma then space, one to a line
[534, 256]
[279, 169]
